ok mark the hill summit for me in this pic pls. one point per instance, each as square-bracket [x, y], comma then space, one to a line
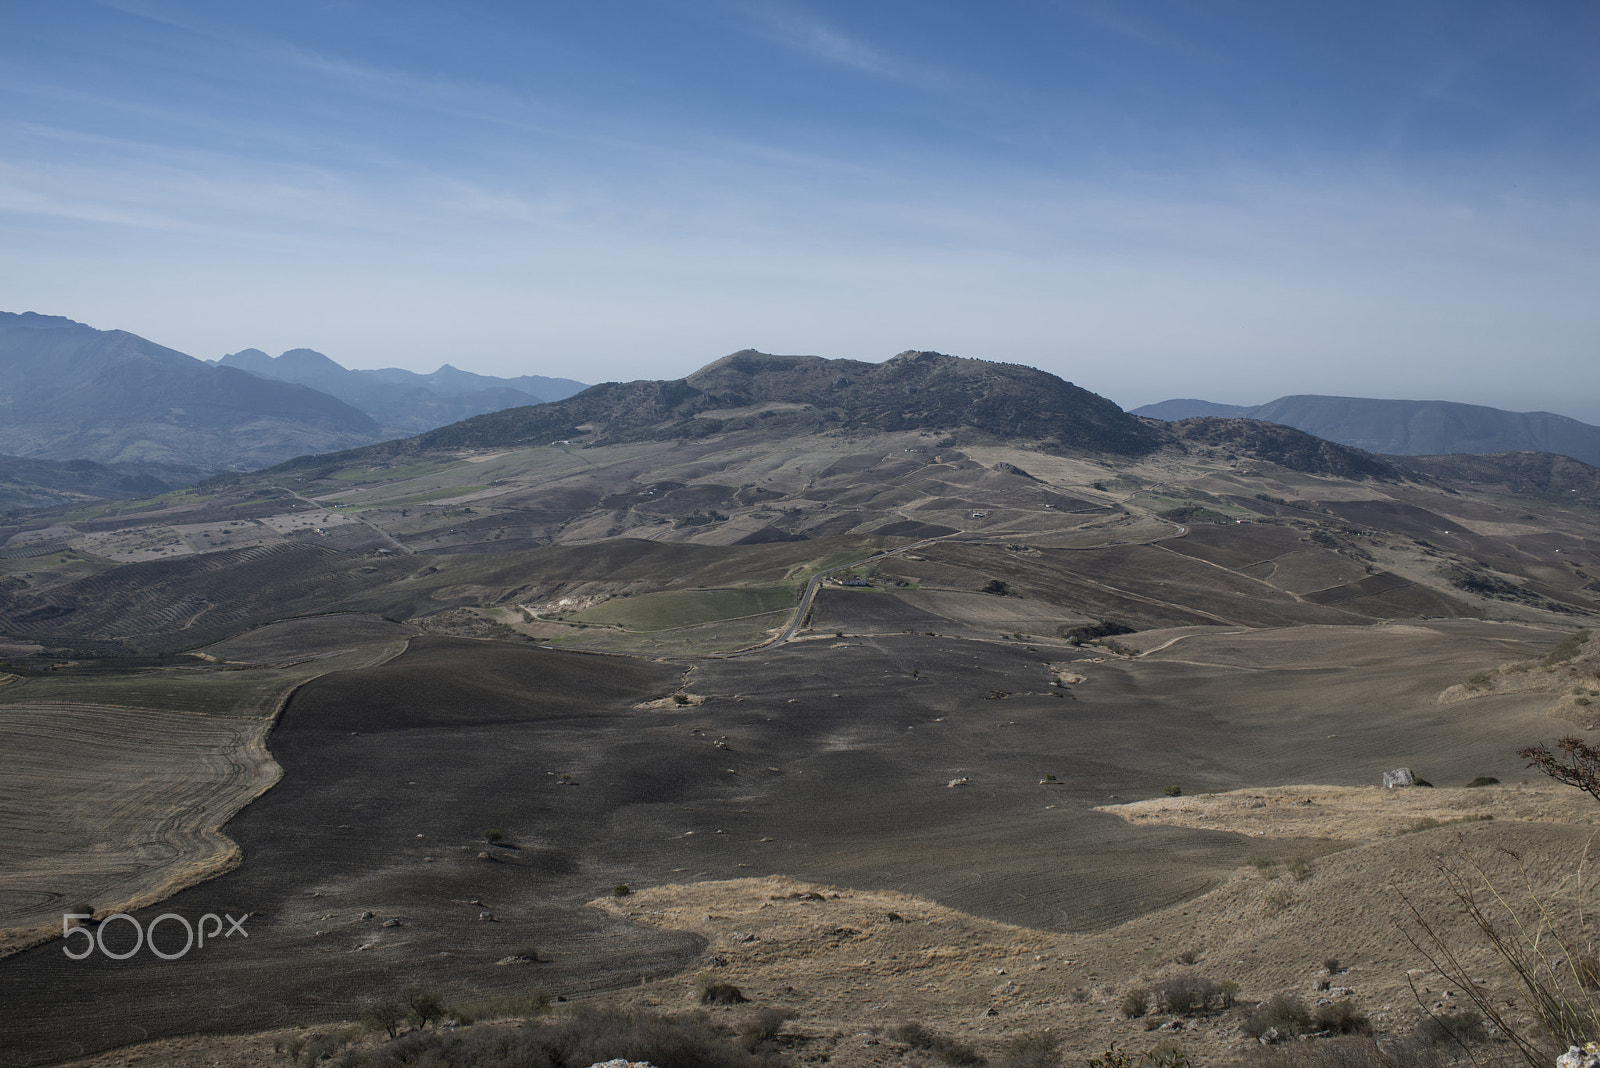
[970, 400]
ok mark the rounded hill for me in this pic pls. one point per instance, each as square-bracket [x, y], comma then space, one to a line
[971, 400]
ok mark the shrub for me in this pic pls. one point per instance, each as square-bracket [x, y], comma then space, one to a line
[1135, 1003]
[1458, 1028]
[1566, 649]
[1581, 767]
[315, 1048]
[1278, 898]
[1037, 1050]
[1332, 964]
[714, 991]
[1187, 994]
[1165, 1055]
[1105, 628]
[386, 1016]
[621, 890]
[764, 1026]
[424, 1007]
[1298, 868]
[1172, 790]
[680, 698]
[1283, 1013]
[1343, 1018]
[947, 1049]
[1345, 1052]
[586, 1036]
[491, 835]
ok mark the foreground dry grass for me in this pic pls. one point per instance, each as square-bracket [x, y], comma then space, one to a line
[851, 963]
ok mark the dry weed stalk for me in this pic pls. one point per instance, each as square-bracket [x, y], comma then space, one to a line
[1544, 954]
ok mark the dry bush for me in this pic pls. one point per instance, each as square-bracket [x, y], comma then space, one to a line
[1187, 994]
[386, 1016]
[1342, 1018]
[719, 993]
[1347, 1052]
[947, 1049]
[1039, 1050]
[764, 1025]
[588, 1036]
[423, 1006]
[1135, 1003]
[1455, 1028]
[1283, 1013]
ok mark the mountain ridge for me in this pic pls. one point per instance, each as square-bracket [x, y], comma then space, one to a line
[1406, 427]
[403, 402]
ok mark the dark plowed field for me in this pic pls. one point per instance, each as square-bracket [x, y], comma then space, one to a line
[822, 760]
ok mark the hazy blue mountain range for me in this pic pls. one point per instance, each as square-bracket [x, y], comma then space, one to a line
[404, 402]
[1407, 428]
[32, 484]
[69, 391]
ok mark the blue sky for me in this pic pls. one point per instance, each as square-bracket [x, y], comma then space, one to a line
[1230, 200]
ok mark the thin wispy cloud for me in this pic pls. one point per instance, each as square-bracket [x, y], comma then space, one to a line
[803, 31]
[1137, 200]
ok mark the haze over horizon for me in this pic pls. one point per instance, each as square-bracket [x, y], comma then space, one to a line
[1233, 203]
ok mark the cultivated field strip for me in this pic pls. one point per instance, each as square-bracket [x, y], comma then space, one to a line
[117, 807]
[187, 602]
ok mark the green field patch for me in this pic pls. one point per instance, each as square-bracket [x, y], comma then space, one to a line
[688, 608]
[420, 498]
[722, 635]
[390, 474]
